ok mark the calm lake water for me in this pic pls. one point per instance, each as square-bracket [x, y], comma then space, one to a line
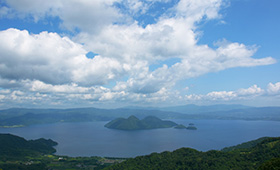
[93, 139]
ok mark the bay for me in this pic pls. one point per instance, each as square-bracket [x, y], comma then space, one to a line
[93, 139]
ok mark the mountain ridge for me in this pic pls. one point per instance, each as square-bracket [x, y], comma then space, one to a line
[133, 123]
[24, 117]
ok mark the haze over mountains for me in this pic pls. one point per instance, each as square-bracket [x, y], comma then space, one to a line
[23, 116]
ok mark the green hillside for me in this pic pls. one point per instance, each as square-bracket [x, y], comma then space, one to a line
[264, 154]
[133, 123]
[12, 146]
[16, 153]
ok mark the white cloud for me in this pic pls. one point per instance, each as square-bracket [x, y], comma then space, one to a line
[2, 97]
[135, 6]
[49, 58]
[49, 88]
[89, 16]
[273, 88]
[51, 66]
[221, 95]
[250, 93]
[5, 91]
[195, 10]
[253, 90]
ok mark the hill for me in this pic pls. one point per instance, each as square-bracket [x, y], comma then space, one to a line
[24, 117]
[17, 153]
[20, 154]
[12, 146]
[260, 155]
[133, 123]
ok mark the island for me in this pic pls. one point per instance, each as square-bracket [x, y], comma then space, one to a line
[133, 123]
[180, 126]
[191, 127]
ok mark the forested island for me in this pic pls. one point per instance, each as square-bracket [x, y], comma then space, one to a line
[18, 153]
[190, 127]
[133, 123]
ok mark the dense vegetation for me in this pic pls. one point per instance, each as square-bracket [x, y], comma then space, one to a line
[17, 153]
[133, 123]
[245, 145]
[260, 154]
[190, 127]
[12, 146]
[180, 126]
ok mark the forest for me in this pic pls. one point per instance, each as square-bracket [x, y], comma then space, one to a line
[17, 153]
[259, 154]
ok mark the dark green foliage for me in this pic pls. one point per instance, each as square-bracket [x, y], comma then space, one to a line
[13, 166]
[245, 145]
[189, 159]
[152, 122]
[180, 126]
[12, 146]
[130, 123]
[43, 145]
[191, 128]
[273, 164]
[133, 123]
[16, 153]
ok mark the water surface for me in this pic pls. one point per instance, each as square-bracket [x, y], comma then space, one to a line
[93, 139]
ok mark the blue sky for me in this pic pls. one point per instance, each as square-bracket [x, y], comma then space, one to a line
[116, 53]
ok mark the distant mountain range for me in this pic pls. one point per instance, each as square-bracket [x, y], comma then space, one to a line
[193, 109]
[23, 117]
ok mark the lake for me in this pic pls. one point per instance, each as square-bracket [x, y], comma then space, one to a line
[93, 139]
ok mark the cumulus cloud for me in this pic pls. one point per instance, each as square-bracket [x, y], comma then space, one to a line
[90, 16]
[252, 92]
[52, 66]
[196, 10]
[273, 88]
[53, 59]
[221, 95]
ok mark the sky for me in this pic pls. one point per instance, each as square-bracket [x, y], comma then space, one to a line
[117, 53]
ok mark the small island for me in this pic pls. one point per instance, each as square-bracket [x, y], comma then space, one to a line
[191, 127]
[133, 123]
